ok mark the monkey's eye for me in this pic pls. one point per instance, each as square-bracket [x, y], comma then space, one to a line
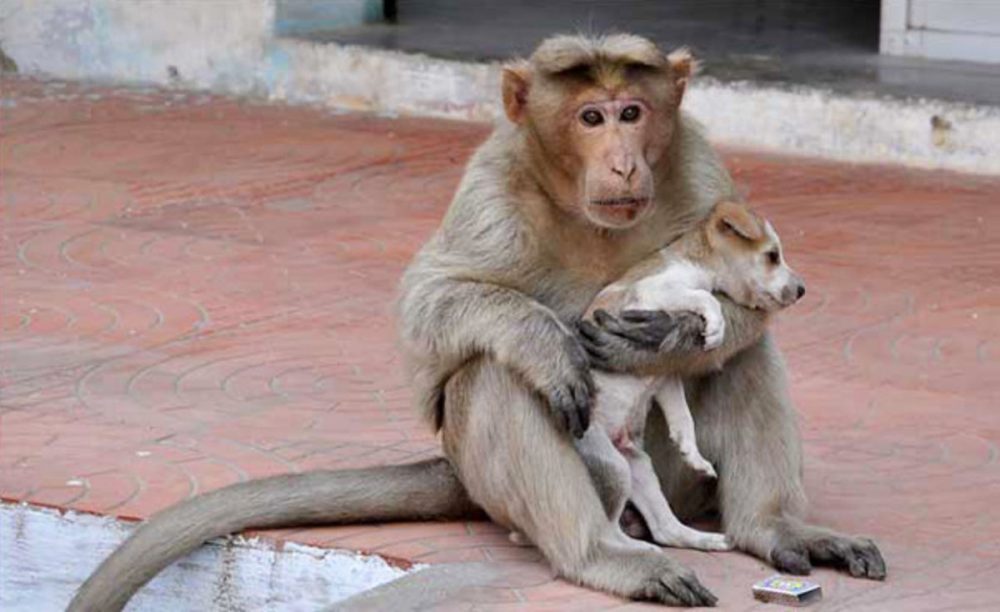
[591, 118]
[630, 114]
[774, 257]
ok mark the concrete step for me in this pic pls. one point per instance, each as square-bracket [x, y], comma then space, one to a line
[209, 45]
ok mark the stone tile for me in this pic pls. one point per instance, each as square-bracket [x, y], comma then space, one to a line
[198, 294]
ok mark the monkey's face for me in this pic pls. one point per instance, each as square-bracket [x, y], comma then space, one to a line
[608, 144]
[598, 122]
[617, 143]
[753, 269]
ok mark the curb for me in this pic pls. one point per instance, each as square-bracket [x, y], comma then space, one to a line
[205, 46]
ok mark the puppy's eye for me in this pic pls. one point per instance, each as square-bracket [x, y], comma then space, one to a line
[591, 118]
[630, 114]
[774, 257]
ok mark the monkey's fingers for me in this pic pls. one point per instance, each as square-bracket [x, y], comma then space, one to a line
[601, 347]
[644, 316]
[562, 401]
[686, 333]
[647, 335]
[582, 397]
[667, 329]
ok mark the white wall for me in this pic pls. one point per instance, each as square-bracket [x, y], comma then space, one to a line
[942, 29]
[210, 43]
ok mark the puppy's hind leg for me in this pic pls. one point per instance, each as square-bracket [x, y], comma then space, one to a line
[666, 528]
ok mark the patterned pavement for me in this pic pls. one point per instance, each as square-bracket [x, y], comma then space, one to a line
[197, 290]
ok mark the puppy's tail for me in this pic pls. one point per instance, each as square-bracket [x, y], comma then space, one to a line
[418, 491]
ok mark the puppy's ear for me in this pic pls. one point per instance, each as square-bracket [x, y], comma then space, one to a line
[736, 219]
[516, 81]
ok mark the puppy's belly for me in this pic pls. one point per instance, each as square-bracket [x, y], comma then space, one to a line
[621, 406]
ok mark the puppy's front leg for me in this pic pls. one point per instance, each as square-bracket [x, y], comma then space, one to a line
[670, 396]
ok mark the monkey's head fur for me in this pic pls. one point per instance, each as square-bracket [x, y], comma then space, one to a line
[599, 115]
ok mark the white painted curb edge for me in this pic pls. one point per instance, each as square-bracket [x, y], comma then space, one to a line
[47, 554]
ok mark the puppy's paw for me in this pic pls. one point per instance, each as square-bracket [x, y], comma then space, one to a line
[714, 542]
[713, 340]
[703, 467]
[715, 328]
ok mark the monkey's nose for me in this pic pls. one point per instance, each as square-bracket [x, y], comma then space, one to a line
[624, 168]
[800, 292]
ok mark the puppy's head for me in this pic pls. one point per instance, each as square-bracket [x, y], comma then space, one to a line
[752, 269]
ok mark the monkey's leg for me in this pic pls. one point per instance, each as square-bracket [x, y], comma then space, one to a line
[608, 469]
[529, 477]
[673, 403]
[748, 427]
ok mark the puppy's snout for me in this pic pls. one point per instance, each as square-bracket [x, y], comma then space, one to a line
[793, 291]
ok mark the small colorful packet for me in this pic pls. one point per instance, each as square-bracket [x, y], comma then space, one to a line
[787, 590]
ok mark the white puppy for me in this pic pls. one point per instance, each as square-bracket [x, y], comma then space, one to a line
[733, 251]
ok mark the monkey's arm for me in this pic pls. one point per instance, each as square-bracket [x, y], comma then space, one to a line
[654, 342]
[449, 321]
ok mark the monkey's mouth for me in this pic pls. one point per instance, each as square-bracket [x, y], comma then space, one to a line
[621, 202]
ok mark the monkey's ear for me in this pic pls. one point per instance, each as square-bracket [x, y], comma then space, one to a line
[515, 83]
[683, 66]
[737, 219]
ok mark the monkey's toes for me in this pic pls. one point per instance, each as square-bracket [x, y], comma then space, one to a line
[860, 556]
[681, 588]
[874, 564]
[793, 561]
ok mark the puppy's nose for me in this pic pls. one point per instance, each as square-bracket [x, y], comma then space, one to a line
[800, 292]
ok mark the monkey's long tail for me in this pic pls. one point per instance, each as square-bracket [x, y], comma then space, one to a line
[424, 490]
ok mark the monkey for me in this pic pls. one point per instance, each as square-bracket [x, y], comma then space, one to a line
[592, 168]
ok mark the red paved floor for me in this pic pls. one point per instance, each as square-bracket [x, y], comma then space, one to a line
[197, 291]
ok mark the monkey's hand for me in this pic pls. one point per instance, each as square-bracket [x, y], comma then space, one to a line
[637, 340]
[657, 343]
[560, 370]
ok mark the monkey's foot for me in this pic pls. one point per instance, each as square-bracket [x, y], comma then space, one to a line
[678, 586]
[639, 570]
[795, 554]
